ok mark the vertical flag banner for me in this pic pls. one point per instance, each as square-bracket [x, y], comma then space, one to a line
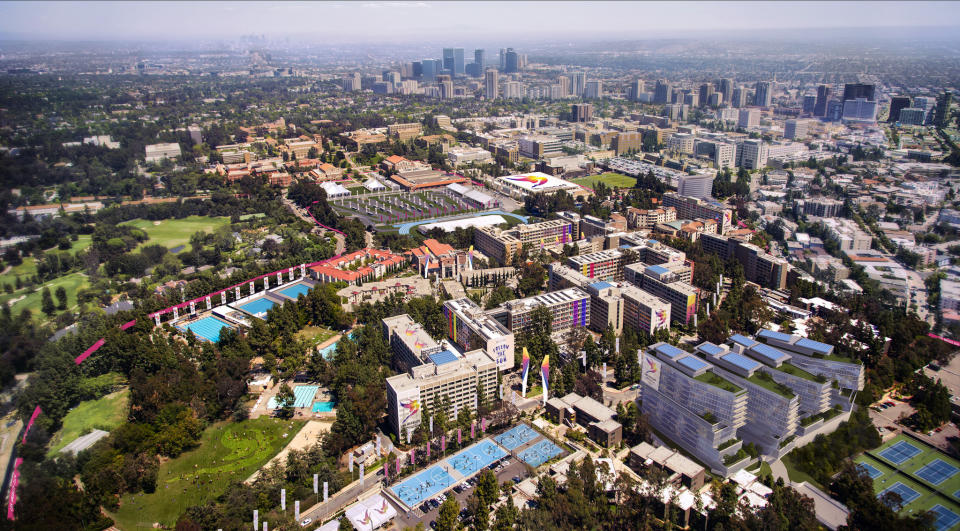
[525, 367]
[315, 483]
[443, 443]
[283, 499]
[256, 520]
[325, 491]
[545, 374]
[459, 436]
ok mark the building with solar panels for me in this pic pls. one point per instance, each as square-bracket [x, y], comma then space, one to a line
[431, 372]
[689, 401]
[817, 358]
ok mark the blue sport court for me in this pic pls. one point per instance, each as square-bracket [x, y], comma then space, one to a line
[302, 396]
[516, 436]
[906, 493]
[540, 453]
[957, 494]
[899, 452]
[207, 328]
[258, 307]
[424, 485]
[872, 470]
[945, 518]
[476, 457]
[295, 290]
[936, 471]
[322, 407]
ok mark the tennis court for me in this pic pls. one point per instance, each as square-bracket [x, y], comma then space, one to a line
[424, 485]
[900, 452]
[945, 518]
[906, 493]
[258, 307]
[516, 436]
[207, 328]
[540, 453]
[476, 457]
[936, 471]
[295, 290]
[871, 470]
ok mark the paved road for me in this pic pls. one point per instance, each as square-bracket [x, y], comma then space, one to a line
[301, 213]
[339, 500]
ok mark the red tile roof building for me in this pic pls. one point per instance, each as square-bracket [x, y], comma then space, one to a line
[372, 264]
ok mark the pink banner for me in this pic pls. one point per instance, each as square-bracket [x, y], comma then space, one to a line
[459, 436]
[413, 457]
[941, 338]
[33, 417]
[443, 443]
[128, 324]
[14, 481]
[89, 351]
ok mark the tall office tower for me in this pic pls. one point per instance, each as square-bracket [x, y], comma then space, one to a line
[431, 68]
[503, 59]
[662, 93]
[480, 57]
[445, 84]
[941, 113]
[706, 90]
[823, 96]
[809, 103]
[511, 62]
[582, 112]
[852, 91]
[897, 104]
[739, 98]
[636, 88]
[491, 84]
[564, 83]
[594, 89]
[726, 88]
[763, 94]
[453, 61]
[417, 69]
[578, 84]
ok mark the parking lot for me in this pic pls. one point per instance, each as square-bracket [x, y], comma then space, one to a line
[515, 468]
[888, 417]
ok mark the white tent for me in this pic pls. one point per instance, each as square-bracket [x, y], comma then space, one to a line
[334, 189]
[370, 513]
[373, 185]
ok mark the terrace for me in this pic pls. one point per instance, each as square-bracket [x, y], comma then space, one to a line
[717, 381]
[766, 381]
[793, 370]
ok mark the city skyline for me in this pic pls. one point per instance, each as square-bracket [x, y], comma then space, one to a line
[422, 21]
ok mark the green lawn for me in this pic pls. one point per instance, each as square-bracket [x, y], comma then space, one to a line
[71, 283]
[612, 180]
[227, 452]
[315, 334]
[171, 233]
[25, 270]
[797, 476]
[83, 241]
[105, 414]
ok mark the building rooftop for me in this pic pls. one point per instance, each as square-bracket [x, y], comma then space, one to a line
[770, 354]
[693, 363]
[668, 350]
[442, 357]
[742, 362]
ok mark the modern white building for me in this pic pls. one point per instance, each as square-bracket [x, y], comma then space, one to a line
[158, 152]
[699, 186]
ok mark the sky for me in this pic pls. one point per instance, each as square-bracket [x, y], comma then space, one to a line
[383, 21]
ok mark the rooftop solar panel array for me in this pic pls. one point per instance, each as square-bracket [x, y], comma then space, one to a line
[737, 360]
[742, 340]
[693, 363]
[815, 346]
[711, 349]
[769, 352]
[779, 336]
[669, 350]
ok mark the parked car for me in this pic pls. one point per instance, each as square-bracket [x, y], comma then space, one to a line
[305, 522]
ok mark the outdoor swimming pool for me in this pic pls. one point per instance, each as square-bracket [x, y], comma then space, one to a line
[322, 407]
[302, 396]
[295, 290]
[328, 350]
[540, 453]
[207, 328]
[258, 307]
[516, 436]
[424, 485]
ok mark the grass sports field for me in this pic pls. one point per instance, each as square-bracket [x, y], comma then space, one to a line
[228, 452]
[104, 414]
[171, 233]
[924, 476]
[31, 301]
[612, 180]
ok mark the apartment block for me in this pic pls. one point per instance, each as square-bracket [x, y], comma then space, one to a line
[561, 276]
[693, 208]
[758, 266]
[665, 284]
[643, 311]
[688, 401]
[471, 328]
[606, 307]
[647, 219]
[603, 265]
[569, 307]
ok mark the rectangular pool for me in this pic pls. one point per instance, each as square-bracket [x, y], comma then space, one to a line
[302, 396]
[295, 290]
[258, 307]
[207, 328]
[322, 407]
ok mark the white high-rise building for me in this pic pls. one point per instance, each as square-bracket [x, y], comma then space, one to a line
[513, 89]
[594, 89]
[795, 129]
[754, 154]
[749, 118]
[491, 84]
[699, 186]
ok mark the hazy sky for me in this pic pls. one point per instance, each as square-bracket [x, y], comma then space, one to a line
[379, 21]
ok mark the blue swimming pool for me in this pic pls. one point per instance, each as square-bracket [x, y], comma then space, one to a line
[302, 396]
[327, 351]
[424, 485]
[322, 407]
[295, 290]
[207, 328]
[258, 307]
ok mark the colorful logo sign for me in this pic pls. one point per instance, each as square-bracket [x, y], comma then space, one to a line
[651, 366]
[412, 407]
[535, 180]
[366, 518]
[661, 318]
[545, 371]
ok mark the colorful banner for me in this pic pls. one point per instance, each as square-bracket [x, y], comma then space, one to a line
[33, 417]
[86, 354]
[545, 375]
[525, 367]
[14, 481]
